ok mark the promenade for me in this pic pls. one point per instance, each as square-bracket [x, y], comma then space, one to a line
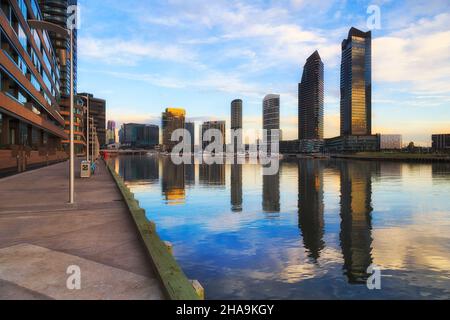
[41, 236]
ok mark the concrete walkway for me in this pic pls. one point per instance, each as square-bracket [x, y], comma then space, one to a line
[41, 236]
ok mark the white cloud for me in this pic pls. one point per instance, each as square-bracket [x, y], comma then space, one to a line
[417, 56]
[130, 52]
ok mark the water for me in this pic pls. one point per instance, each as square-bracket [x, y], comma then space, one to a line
[309, 232]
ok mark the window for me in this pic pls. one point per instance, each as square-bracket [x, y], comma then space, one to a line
[23, 133]
[35, 9]
[23, 9]
[22, 38]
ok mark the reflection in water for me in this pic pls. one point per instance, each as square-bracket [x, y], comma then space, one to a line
[137, 169]
[356, 228]
[310, 206]
[236, 187]
[350, 214]
[271, 193]
[189, 174]
[173, 182]
[212, 175]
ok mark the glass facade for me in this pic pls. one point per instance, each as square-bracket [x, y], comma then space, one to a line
[28, 85]
[172, 119]
[271, 118]
[356, 84]
[311, 99]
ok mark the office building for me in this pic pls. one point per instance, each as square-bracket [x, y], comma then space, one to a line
[351, 144]
[31, 126]
[441, 142]
[236, 122]
[190, 127]
[311, 99]
[97, 110]
[271, 120]
[111, 132]
[391, 142]
[172, 119]
[356, 84]
[218, 125]
[139, 135]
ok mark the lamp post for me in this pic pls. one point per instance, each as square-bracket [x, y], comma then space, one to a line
[68, 34]
[87, 129]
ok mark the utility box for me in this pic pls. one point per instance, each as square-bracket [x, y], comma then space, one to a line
[85, 169]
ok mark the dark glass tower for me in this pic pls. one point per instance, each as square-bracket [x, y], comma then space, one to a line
[310, 99]
[356, 84]
[236, 122]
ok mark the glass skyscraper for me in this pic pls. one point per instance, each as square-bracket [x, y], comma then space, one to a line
[356, 83]
[271, 119]
[310, 99]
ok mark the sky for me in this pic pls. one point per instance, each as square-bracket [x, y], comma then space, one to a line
[143, 56]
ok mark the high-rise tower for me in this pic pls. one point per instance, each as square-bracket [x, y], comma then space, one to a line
[310, 99]
[356, 84]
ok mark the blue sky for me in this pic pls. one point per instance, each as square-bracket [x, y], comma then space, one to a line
[143, 56]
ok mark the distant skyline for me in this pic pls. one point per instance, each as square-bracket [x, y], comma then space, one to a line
[150, 55]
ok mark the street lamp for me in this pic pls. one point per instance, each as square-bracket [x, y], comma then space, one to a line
[87, 129]
[68, 34]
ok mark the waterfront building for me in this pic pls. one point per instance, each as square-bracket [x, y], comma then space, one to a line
[79, 125]
[440, 142]
[97, 111]
[236, 122]
[391, 142]
[352, 144]
[190, 127]
[140, 135]
[172, 119]
[111, 132]
[356, 84]
[311, 99]
[271, 120]
[55, 11]
[218, 125]
[301, 146]
[311, 206]
[31, 126]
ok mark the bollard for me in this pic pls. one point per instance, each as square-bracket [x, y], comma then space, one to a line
[198, 289]
[169, 246]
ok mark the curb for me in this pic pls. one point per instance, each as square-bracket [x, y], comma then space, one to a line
[175, 283]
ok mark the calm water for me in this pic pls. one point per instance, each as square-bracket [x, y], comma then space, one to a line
[309, 232]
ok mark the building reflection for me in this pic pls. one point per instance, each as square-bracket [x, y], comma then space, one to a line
[356, 218]
[212, 174]
[137, 169]
[173, 182]
[271, 193]
[236, 187]
[311, 206]
[189, 173]
[440, 171]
